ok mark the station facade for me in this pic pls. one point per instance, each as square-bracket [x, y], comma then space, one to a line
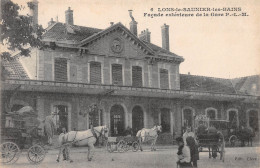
[117, 78]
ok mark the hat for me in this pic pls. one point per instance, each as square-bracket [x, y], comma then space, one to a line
[179, 139]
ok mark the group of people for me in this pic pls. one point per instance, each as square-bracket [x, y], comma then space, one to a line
[188, 153]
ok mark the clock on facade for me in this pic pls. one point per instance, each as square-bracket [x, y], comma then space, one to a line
[117, 45]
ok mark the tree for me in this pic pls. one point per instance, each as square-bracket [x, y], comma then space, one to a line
[18, 33]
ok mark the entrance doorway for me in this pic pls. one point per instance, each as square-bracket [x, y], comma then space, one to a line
[137, 119]
[61, 118]
[117, 123]
[253, 120]
[165, 120]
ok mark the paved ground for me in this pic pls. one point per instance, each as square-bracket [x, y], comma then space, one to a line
[165, 156]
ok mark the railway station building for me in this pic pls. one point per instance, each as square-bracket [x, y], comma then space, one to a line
[117, 77]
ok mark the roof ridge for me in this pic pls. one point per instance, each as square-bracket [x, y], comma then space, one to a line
[206, 76]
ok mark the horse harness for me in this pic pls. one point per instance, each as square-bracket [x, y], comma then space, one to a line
[73, 141]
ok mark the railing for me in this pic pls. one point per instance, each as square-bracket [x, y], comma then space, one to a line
[123, 88]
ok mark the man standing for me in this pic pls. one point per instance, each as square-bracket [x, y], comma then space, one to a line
[189, 139]
[49, 127]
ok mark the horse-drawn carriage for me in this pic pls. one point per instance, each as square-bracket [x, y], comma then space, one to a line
[20, 132]
[212, 140]
[122, 143]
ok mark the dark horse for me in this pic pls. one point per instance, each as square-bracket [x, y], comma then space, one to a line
[246, 134]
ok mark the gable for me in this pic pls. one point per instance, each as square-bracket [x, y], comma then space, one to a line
[116, 44]
[122, 33]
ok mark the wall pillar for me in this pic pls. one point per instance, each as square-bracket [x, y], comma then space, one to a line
[178, 119]
[172, 121]
[40, 108]
[159, 118]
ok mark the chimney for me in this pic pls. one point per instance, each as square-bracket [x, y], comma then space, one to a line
[145, 35]
[133, 24]
[165, 37]
[51, 22]
[34, 11]
[111, 23]
[69, 16]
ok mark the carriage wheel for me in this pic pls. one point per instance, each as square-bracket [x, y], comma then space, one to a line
[10, 152]
[135, 146]
[121, 146]
[109, 147]
[233, 140]
[35, 154]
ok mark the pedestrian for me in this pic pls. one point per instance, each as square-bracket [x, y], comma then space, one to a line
[65, 147]
[188, 133]
[50, 127]
[194, 152]
[184, 159]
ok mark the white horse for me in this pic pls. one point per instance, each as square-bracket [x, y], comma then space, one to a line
[145, 135]
[81, 138]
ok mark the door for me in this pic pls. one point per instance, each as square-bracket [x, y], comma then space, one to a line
[117, 124]
[137, 119]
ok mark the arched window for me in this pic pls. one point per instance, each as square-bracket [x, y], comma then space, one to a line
[95, 73]
[211, 113]
[233, 118]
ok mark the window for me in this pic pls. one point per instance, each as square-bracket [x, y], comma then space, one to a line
[137, 77]
[60, 70]
[211, 114]
[95, 72]
[164, 79]
[117, 77]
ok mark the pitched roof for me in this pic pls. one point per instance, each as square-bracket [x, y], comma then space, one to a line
[206, 84]
[160, 50]
[248, 84]
[14, 69]
[64, 32]
[73, 34]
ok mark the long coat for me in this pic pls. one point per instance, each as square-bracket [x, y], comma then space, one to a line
[49, 126]
[194, 153]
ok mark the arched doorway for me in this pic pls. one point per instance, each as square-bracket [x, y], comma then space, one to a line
[187, 120]
[165, 120]
[253, 119]
[137, 119]
[117, 122]
[61, 118]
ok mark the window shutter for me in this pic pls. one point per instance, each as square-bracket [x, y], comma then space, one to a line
[117, 78]
[60, 70]
[137, 78]
[95, 72]
[164, 79]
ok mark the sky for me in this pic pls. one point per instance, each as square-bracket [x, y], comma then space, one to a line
[225, 47]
